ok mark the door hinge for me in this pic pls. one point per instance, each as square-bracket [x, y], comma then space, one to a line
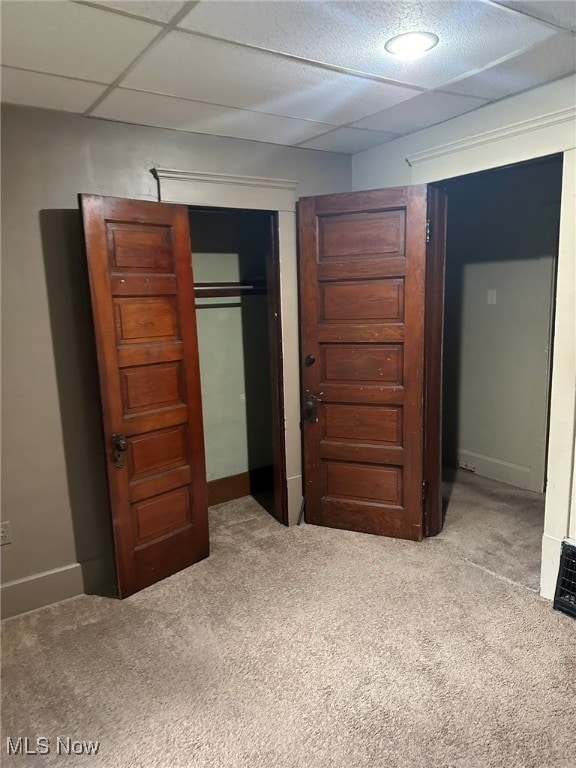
[424, 489]
[428, 230]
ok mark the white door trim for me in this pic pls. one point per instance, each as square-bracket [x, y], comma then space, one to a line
[252, 192]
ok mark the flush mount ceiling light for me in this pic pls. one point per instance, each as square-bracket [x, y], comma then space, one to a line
[411, 45]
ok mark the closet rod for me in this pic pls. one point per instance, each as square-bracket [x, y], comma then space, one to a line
[228, 289]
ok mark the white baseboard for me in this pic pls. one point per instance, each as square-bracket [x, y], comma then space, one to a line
[41, 589]
[551, 550]
[497, 469]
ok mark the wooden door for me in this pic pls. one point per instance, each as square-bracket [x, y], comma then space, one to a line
[143, 307]
[362, 293]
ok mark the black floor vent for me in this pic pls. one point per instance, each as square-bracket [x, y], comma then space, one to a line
[565, 597]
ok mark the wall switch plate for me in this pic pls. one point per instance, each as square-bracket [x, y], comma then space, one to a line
[491, 295]
[5, 533]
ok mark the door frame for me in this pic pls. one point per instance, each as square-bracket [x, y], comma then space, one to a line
[433, 513]
[216, 190]
[439, 203]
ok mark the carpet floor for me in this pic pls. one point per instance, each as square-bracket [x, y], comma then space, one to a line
[302, 648]
[493, 525]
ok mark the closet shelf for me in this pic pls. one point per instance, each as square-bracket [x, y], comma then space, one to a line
[208, 290]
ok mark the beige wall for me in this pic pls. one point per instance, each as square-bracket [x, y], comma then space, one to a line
[54, 488]
[534, 124]
[502, 237]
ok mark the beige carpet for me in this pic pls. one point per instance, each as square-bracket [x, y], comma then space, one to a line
[495, 526]
[301, 648]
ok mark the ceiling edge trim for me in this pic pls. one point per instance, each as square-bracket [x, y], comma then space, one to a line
[488, 137]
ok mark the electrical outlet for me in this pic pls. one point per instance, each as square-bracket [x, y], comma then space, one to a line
[5, 533]
[467, 465]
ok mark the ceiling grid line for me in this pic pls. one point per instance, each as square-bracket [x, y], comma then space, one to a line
[125, 14]
[184, 11]
[524, 12]
[303, 60]
[496, 62]
[254, 111]
[64, 77]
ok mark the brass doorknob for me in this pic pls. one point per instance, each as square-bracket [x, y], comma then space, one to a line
[119, 444]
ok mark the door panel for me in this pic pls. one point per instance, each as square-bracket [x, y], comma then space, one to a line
[362, 290]
[143, 307]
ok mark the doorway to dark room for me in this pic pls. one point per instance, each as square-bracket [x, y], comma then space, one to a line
[501, 254]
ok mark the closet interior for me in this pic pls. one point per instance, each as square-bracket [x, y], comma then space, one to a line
[234, 266]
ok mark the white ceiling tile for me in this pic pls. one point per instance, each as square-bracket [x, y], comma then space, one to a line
[560, 12]
[420, 112]
[35, 90]
[226, 74]
[159, 10]
[548, 61]
[352, 34]
[348, 140]
[168, 112]
[69, 39]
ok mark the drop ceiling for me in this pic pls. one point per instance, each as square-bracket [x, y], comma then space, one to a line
[310, 74]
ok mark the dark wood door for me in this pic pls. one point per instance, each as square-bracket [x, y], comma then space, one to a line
[143, 307]
[362, 293]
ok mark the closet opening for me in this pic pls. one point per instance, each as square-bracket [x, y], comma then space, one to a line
[237, 296]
